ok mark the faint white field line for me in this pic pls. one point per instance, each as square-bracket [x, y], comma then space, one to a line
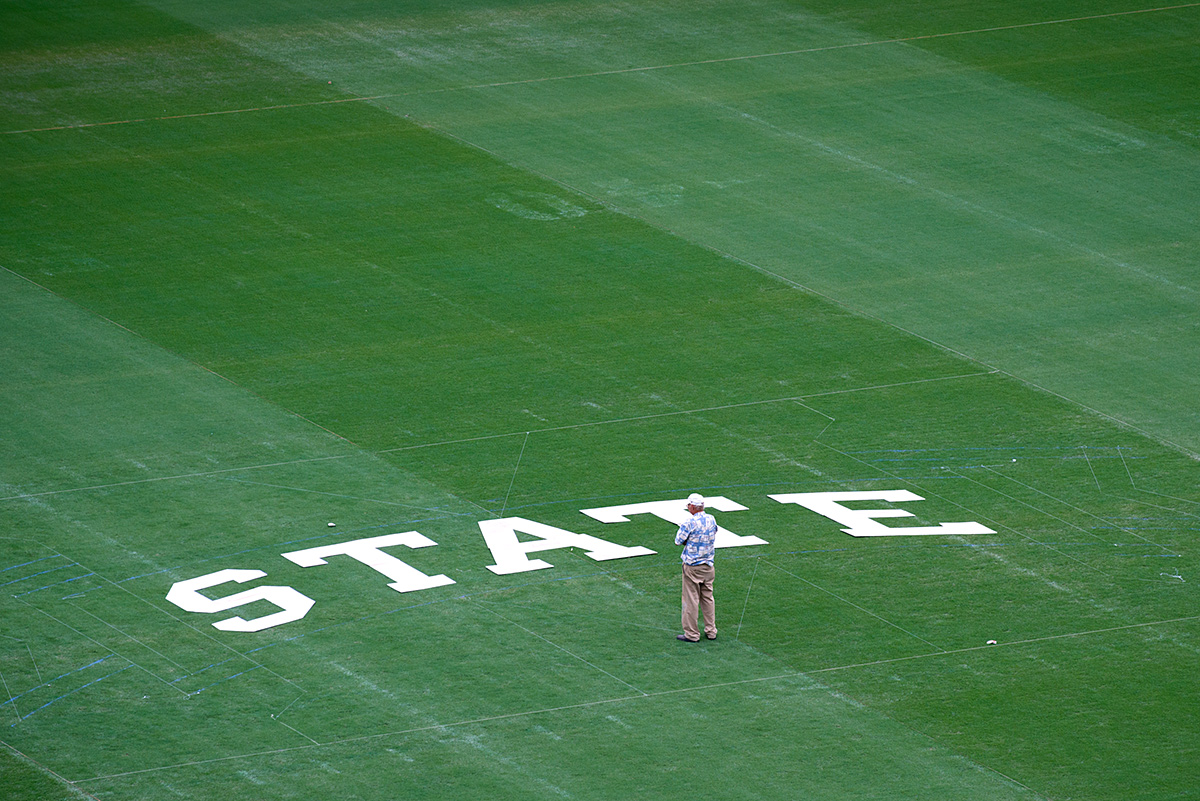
[178, 477]
[107, 647]
[1162, 495]
[454, 724]
[203, 634]
[624, 71]
[1091, 469]
[128, 636]
[1070, 506]
[1030, 641]
[177, 619]
[36, 669]
[11, 698]
[69, 784]
[286, 708]
[737, 635]
[338, 495]
[559, 647]
[440, 443]
[514, 475]
[1144, 502]
[699, 410]
[950, 198]
[293, 728]
[976, 514]
[566, 613]
[966, 509]
[627, 698]
[1047, 546]
[70, 672]
[1028, 505]
[862, 609]
[69, 693]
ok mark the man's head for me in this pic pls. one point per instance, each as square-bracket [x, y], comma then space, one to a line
[695, 503]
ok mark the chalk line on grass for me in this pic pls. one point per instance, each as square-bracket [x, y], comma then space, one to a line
[604, 73]
[553, 644]
[705, 688]
[550, 429]
[862, 609]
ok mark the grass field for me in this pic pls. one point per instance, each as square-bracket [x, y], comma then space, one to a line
[281, 276]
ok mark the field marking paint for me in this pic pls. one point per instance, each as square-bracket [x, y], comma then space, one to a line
[11, 699]
[484, 437]
[41, 573]
[77, 791]
[737, 635]
[293, 728]
[1020, 534]
[129, 636]
[603, 73]
[202, 633]
[513, 481]
[1092, 469]
[699, 410]
[222, 681]
[624, 699]
[72, 692]
[32, 561]
[335, 495]
[1030, 641]
[178, 477]
[1047, 545]
[55, 584]
[106, 647]
[195, 673]
[862, 609]
[1073, 507]
[559, 647]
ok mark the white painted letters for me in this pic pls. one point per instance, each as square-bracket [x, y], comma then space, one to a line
[405, 578]
[512, 555]
[292, 604]
[676, 512]
[862, 522]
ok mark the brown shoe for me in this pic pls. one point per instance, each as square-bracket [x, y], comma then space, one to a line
[685, 639]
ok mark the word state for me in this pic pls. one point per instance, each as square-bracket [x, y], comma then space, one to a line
[512, 554]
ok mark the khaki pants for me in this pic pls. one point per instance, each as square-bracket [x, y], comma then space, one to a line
[698, 598]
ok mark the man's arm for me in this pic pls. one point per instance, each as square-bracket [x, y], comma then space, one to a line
[684, 532]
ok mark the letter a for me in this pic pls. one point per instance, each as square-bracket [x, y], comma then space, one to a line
[512, 555]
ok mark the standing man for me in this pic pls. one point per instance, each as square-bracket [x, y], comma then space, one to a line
[698, 535]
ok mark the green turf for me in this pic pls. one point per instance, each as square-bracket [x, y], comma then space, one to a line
[1044, 169]
[220, 332]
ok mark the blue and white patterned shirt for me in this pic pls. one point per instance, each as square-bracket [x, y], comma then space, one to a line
[698, 535]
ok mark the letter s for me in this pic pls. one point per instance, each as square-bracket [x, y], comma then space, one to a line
[293, 604]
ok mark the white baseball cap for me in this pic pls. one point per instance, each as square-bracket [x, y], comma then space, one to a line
[696, 499]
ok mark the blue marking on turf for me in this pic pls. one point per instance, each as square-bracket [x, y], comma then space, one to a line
[55, 584]
[72, 692]
[201, 670]
[35, 561]
[227, 678]
[41, 573]
[56, 678]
